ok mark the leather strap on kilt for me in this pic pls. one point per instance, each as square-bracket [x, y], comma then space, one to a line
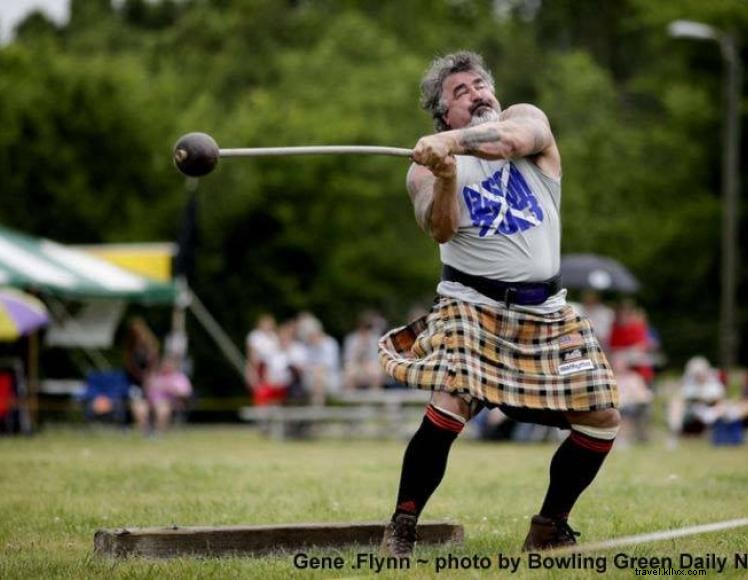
[522, 293]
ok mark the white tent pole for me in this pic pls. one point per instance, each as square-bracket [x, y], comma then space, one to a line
[176, 343]
[229, 350]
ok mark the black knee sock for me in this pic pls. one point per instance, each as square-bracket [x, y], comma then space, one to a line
[425, 460]
[573, 468]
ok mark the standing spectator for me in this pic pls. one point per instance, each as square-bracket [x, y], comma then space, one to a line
[361, 368]
[141, 359]
[629, 338]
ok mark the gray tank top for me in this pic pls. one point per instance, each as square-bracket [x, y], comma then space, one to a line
[509, 227]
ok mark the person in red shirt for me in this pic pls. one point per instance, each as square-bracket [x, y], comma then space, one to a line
[630, 339]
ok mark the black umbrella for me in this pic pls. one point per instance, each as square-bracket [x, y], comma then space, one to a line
[593, 272]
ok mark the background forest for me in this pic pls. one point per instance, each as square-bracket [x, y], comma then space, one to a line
[89, 113]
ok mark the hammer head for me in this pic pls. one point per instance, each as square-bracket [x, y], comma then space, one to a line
[196, 154]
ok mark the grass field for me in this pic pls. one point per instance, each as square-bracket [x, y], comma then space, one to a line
[58, 487]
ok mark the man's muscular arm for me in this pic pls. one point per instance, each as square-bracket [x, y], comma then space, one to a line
[434, 201]
[521, 131]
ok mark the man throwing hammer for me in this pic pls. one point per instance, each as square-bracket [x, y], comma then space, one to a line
[487, 189]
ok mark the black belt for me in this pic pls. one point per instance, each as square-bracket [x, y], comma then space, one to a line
[522, 293]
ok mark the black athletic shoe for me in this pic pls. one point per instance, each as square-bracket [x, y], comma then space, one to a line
[547, 533]
[400, 536]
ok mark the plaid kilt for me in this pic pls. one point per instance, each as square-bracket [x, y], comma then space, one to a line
[502, 356]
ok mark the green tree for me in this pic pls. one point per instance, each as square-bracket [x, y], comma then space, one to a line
[82, 166]
[89, 112]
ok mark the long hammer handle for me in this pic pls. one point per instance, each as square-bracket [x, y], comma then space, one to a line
[316, 150]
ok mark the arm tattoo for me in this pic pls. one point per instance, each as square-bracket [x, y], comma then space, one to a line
[472, 139]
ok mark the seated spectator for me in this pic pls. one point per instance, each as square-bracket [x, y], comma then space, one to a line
[635, 400]
[306, 324]
[695, 407]
[282, 378]
[361, 369]
[167, 390]
[322, 368]
[141, 351]
[493, 425]
[702, 401]
[8, 401]
[141, 358]
[261, 343]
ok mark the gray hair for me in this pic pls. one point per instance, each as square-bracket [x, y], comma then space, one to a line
[440, 69]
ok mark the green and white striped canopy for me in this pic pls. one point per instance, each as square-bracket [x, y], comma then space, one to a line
[37, 263]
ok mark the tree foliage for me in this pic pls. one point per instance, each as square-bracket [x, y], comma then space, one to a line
[89, 112]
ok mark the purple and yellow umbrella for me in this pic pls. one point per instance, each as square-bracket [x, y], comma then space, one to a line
[20, 314]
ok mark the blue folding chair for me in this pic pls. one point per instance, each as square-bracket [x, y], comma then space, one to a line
[106, 396]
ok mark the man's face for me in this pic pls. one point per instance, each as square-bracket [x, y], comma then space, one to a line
[469, 100]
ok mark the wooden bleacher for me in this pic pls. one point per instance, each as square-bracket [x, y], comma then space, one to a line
[376, 413]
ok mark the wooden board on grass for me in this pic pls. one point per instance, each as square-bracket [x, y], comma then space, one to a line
[250, 540]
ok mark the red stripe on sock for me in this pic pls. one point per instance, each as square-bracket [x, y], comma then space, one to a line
[442, 421]
[445, 415]
[590, 443]
[454, 423]
[442, 424]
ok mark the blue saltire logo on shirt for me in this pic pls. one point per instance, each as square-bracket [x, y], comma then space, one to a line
[503, 203]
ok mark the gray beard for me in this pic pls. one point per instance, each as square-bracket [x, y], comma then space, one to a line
[487, 117]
